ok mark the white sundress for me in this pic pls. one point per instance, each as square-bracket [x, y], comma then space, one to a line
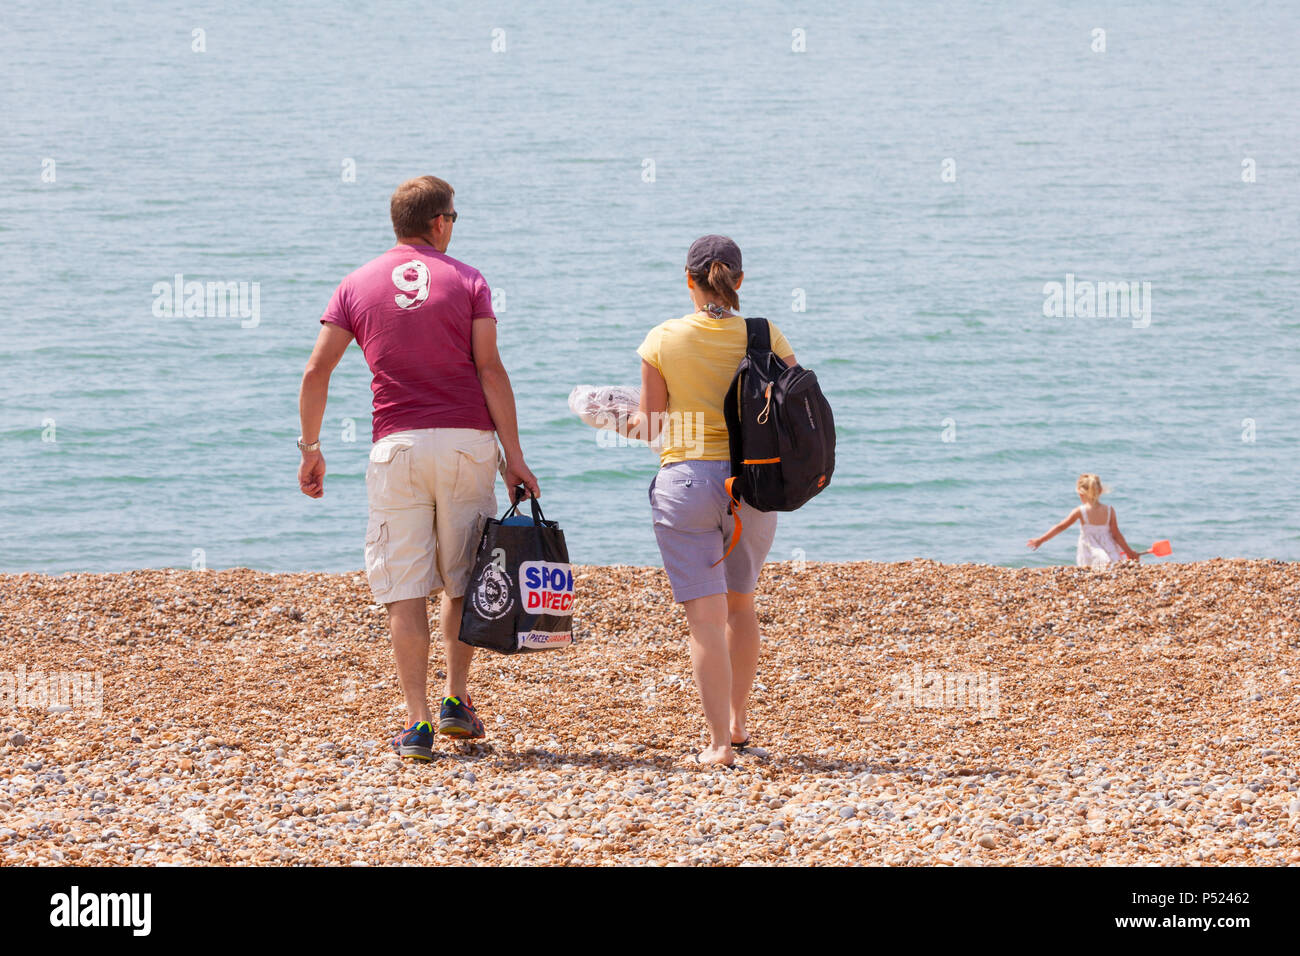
[1097, 549]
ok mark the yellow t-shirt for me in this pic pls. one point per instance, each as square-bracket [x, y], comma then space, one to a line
[697, 355]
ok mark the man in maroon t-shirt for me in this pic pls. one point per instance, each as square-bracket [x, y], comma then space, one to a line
[425, 324]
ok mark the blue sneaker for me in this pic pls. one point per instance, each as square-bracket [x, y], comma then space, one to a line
[458, 719]
[415, 742]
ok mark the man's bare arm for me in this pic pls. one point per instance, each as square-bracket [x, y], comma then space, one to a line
[331, 343]
[500, 398]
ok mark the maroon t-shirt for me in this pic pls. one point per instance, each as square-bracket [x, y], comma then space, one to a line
[411, 311]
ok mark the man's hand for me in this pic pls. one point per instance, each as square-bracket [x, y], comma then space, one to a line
[311, 474]
[517, 473]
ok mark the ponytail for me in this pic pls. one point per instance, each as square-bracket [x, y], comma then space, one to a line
[720, 281]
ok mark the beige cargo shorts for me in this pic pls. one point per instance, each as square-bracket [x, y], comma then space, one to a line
[430, 492]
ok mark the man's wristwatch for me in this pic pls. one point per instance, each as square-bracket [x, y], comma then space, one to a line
[314, 446]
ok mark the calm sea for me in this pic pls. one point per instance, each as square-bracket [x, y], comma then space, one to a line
[904, 181]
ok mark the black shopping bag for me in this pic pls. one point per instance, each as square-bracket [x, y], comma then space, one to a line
[520, 595]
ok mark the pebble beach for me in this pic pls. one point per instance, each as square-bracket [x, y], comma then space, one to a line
[910, 713]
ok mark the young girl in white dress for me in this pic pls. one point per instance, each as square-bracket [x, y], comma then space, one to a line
[1100, 541]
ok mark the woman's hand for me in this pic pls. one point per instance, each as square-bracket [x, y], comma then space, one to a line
[1034, 543]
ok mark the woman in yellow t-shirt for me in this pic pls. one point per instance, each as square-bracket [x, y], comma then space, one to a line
[687, 365]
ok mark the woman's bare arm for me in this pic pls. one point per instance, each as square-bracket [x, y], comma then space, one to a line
[645, 422]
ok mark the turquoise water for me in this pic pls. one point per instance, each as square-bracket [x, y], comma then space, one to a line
[924, 298]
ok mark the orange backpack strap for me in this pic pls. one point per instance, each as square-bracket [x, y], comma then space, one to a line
[735, 513]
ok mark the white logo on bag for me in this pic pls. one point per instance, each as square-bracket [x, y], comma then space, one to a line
[492, 598]
[541, 640]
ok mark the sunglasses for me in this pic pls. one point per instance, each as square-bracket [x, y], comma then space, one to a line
[450, 215]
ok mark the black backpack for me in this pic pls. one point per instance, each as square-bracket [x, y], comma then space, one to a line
[780, 426]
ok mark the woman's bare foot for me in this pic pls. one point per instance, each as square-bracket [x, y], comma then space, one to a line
[716, 755]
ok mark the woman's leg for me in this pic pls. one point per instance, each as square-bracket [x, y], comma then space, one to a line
[688, 504]
[742, 645]
[711, 661]
[744, 564]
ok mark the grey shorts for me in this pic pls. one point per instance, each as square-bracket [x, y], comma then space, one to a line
[688, 500]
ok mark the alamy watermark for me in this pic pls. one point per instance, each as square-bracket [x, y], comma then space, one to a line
[676, 429]
[208, 300]
[76, 909]
[934, 690]
[1106, 300]
[58, 691]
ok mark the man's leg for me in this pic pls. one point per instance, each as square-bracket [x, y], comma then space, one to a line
[466, 472]
[409, 623]
[457, 717]
[401, 571]
[459, 655]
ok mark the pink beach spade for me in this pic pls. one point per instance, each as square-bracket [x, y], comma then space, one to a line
[1160, 549]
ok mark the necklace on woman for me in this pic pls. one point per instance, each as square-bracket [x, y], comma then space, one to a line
[714, 311]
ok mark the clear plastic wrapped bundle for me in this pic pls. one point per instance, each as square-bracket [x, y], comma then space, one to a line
[603, 406]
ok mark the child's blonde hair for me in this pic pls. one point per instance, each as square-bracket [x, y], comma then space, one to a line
[1090, 487]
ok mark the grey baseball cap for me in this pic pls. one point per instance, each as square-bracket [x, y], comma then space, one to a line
[707, 248]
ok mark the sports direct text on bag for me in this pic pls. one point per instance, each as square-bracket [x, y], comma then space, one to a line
[546, 587]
